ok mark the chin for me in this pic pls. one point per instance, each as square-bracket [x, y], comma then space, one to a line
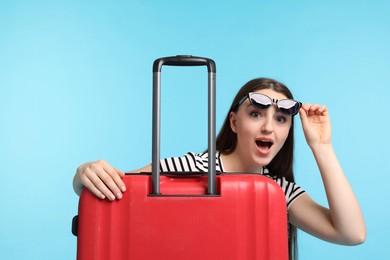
[262, 162]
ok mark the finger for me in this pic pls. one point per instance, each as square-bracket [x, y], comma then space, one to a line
[99, 179]
[310, 109]
[323, 110]
[320, 110]
[119, 172]
[115, 175]
[105, 182]
[87, 179]
[113, 181]
[303, 114]
[109, 176]
[306, 107]
[119, 182]
[314, 109]
[91, 187]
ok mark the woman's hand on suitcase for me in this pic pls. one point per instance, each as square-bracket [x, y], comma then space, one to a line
[102, 179]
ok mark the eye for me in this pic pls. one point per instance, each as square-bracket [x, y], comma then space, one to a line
[255, 113]
[281, 119]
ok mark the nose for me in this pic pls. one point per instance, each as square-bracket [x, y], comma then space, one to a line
[267, 126]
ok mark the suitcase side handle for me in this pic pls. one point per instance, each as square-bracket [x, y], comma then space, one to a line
[183, 60]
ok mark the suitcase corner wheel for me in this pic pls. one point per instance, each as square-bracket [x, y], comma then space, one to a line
[75, 225]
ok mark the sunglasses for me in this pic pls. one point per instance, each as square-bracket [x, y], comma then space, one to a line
[286, 106]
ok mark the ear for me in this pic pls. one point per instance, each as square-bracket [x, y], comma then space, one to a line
[233, 121]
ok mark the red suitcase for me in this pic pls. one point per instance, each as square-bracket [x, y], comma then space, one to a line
[185, 215]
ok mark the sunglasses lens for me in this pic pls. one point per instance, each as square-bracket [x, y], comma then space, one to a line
[260, 101]
[286, 106]
[289, 106]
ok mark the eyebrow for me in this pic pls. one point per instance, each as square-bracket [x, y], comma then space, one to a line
[277, 111]
[250, 104]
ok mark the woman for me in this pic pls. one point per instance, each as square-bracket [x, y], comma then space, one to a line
[257, 137]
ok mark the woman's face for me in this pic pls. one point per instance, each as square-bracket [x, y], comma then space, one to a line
[260, 133]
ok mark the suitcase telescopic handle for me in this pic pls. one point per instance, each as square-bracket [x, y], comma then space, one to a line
[183, 60]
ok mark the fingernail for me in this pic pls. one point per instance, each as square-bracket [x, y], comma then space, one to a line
[123, 188]
[112, 197]
[119, 195]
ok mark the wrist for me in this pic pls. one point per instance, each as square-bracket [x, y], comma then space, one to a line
[322, 148]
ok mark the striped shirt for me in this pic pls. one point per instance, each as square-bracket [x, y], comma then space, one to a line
[198, 162]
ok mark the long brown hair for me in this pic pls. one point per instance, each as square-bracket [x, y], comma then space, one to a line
[282, 164]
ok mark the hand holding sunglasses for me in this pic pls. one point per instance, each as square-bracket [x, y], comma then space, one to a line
[316, 124]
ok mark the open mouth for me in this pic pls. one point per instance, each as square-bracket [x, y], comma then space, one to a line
[264, 144]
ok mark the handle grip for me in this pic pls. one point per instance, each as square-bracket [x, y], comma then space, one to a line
[184, 60]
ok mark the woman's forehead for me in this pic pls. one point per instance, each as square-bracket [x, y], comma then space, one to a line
[271, 93]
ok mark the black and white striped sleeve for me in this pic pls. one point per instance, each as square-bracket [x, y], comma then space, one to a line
[187, 163]
[291, 190]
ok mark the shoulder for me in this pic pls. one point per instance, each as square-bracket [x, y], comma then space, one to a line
[291, 190]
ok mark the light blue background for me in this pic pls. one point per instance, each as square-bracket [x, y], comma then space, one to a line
[76, 80]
